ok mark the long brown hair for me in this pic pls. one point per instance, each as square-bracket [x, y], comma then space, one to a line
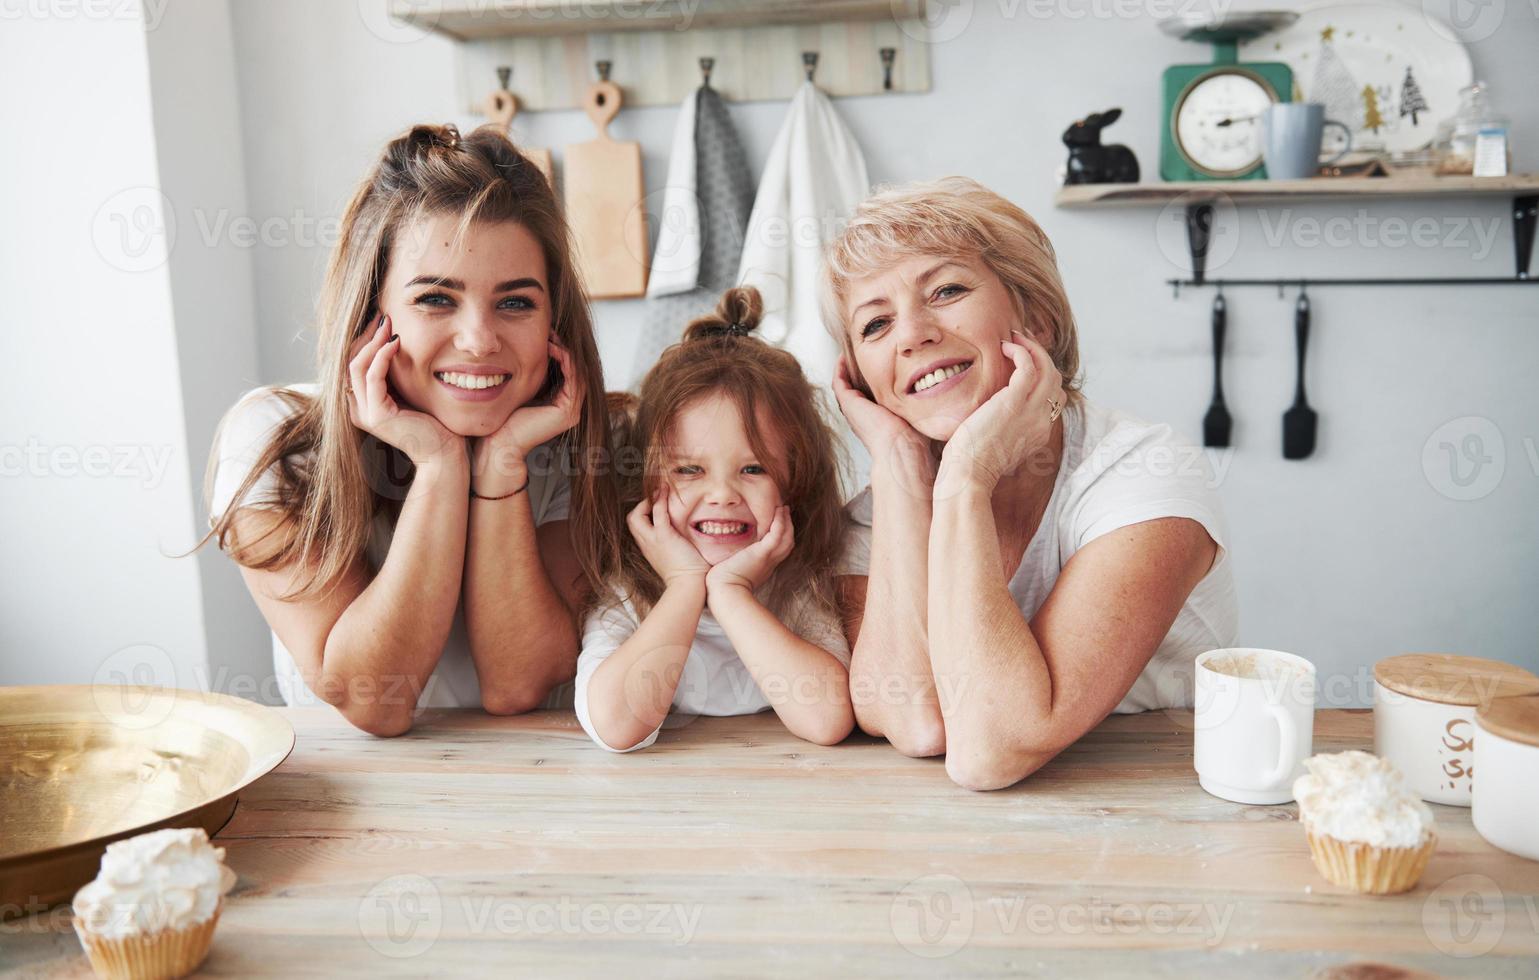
[328, 493]
[718, 355]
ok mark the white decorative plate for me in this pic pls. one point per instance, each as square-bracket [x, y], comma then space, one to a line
[1391, 73]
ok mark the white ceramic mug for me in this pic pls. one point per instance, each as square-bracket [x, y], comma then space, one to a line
[1255, 721]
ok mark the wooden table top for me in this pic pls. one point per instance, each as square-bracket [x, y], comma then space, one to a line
[733, 848]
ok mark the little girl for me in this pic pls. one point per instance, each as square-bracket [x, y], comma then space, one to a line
[724, 602]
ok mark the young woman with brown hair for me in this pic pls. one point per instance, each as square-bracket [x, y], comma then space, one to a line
[419, 524]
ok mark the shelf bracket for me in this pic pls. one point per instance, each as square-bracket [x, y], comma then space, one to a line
[1525, 213]
[1199, 233]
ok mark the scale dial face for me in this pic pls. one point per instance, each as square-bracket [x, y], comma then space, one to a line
[1218, 122]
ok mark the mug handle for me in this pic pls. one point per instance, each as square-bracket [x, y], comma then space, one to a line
[1287, 736]
[1347, 132]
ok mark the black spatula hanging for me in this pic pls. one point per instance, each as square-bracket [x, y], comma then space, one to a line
[1299, 421]
[1217, 423]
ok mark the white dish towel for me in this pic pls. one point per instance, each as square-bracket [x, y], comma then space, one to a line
[813, 180]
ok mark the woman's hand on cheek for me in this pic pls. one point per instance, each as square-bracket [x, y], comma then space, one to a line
[670, 554]
[897, 449]
[751, 567]
[376, 411]
[500, 457]
[1016, 421]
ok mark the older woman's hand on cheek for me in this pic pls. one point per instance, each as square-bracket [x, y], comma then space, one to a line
[1016, 421]
[896, 448]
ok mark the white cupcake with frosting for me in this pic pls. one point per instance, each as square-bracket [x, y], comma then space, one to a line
[1366, 831]
[150, 913]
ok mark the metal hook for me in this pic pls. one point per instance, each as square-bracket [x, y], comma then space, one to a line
[889, 55]
[809, 63]
[603, 69]
[706, 64]
[504, 75]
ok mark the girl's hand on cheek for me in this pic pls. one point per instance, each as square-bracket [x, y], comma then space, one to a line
[752, 567]
[1016, 421]
[670, 553]
[375, 410]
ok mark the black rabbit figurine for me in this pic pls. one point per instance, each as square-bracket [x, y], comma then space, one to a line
[1092, 163]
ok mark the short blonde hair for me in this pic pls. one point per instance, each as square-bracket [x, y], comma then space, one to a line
[953, 217]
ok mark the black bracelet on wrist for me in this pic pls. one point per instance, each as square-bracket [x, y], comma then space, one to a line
[477, 496]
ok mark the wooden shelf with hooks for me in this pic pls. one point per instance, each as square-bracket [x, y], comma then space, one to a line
[757, 48]
[468, 20]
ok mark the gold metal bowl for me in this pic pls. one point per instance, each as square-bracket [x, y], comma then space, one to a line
[84, 765]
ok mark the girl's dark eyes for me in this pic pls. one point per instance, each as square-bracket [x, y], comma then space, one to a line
[689, 469]
[444, 300]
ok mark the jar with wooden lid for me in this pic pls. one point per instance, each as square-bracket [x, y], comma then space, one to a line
[1424, 708]
[1506, 810]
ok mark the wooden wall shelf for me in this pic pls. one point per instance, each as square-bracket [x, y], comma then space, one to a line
[655, 47]
[1317, 188]
[468, 20]
[1197, 199]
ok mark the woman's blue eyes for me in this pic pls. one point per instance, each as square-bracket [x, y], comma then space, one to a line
[945, 292]
[444, 300]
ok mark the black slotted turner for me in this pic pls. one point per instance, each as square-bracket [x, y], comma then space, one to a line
[1217, 423]
[1299, 422]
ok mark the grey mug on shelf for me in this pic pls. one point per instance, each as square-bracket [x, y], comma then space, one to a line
[1291, 133]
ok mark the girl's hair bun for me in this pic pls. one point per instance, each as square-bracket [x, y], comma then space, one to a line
[737, 314]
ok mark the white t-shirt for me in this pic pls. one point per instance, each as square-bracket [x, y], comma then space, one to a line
[715, 681]
[244, 435]
[1116, 470]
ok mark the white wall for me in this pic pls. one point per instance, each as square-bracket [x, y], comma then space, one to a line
[202, 174]
[94, 478]
[1347, 557]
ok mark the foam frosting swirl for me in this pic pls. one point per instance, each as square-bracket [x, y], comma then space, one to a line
[166, 879]
[1359, 797]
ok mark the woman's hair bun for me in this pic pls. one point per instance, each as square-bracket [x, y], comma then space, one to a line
[424, 138]
[737, 314]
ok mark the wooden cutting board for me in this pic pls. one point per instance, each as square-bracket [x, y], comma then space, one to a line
[604, 206]
[499, 108]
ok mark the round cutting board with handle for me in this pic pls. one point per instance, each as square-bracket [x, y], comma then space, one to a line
[604, 207]
[499, 108]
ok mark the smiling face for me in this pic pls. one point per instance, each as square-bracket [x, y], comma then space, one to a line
[723, 496]
[926, 335]
[473, 318]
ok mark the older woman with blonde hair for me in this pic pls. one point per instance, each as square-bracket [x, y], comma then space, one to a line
[1024, 562]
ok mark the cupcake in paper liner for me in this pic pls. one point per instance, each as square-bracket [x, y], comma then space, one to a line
[151, 912]
[1366, 831]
